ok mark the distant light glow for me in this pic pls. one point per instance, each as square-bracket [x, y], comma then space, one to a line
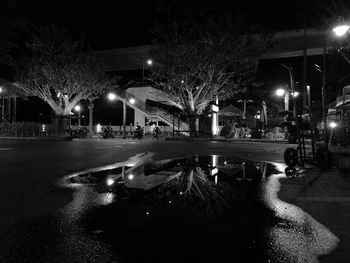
[43, 128]
[111, 96]
[333, 125]
[149, 62]
[0, 89]
[77, 108]
[214, 171]
[295, 93]
[98, 128]
[214, 108]
[280, 92]
[110, 182]
[340, 31]
[147, 213]
[132, 100]
[130, 176]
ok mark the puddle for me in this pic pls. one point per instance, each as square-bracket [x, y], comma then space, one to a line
[195, 208]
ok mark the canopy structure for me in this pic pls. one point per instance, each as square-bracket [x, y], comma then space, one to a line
[229, 114]
[230, 111]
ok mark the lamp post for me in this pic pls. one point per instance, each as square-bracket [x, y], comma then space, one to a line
[295, 94]
[332, 125]
[244, 107]
[112, 96]
[148, 62]
[77, 108]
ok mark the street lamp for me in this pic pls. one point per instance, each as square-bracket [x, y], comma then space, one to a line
[112, 96]
[280, 92]
[77, 108]
[332, 125]
[341, 30]
[149, 63]
[132, 100]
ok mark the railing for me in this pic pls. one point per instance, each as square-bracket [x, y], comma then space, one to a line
[153, 111]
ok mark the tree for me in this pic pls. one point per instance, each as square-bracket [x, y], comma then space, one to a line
[60, 73]
[199, 57]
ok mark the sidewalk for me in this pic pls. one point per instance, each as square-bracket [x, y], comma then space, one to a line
[326, 197]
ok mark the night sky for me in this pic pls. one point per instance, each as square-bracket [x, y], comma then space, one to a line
[113, 24]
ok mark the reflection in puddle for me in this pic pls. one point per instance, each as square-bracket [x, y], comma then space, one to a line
[223, 206]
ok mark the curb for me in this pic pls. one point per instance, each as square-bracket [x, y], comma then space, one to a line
[67, 138]
[226, 140]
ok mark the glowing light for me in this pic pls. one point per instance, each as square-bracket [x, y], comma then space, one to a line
[214, 171]
[214, 108]
[58, 94]
[111, 96]
[181, 193]
[77, 108]
[340, 31]
[132, 100]
[110, 182]
[333, 125]
[169, 202]
[43, 128]
[182, 81]
[147, 213]
[0, 89]
[149, 62]
[295, 93]
[280, 92]
[130, 176]
[98, 128]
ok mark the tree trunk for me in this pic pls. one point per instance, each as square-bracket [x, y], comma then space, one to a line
[60, 124]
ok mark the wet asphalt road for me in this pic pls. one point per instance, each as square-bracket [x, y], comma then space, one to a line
[40, 223]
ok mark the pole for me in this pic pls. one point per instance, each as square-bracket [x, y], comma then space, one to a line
[286, 100]
[124, 118]
[91, 117]
[295, 114]
[8, 108]
[309, 103]
[143, 72]
[323, 88]
[304, 65]
[14, 112]
[79, 122]
[2, 107]
[244, 108]
[173, 125]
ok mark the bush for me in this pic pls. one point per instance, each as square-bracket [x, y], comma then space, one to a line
[26, 129]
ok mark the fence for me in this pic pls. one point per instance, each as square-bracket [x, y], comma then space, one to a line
[26, 129]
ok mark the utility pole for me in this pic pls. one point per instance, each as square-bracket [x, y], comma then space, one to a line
[124, 117]
[295, 115]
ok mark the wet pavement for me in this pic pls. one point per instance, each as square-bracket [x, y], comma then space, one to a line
[189, 207]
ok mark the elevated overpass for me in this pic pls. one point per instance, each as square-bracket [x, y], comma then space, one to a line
[284, 44]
